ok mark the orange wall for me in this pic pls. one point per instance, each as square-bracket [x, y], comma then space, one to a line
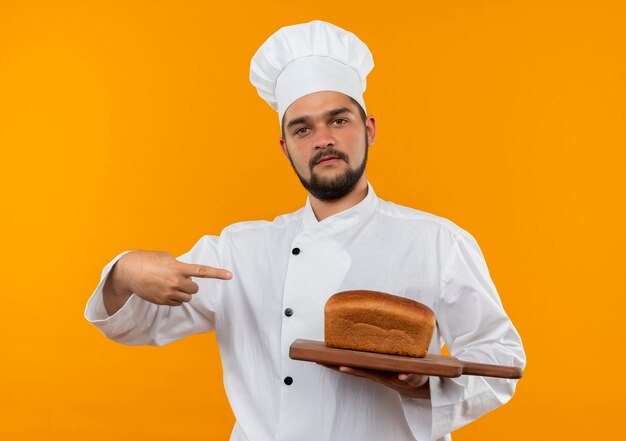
[129, 125]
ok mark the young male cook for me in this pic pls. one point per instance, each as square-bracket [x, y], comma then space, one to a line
[261, 285]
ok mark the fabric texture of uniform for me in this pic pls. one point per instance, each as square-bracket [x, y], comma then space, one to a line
[375, 245]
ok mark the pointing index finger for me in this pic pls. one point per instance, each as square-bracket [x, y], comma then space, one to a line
[208, 272]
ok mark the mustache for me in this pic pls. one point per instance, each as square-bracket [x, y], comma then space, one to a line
[327, 152]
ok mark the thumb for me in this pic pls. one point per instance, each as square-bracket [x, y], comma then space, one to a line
[413, 379]
[208, 272]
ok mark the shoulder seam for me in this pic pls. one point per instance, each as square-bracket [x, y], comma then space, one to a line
[419, 215]
[257, 224]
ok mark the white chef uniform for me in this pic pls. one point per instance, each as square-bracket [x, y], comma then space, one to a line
[297, 262]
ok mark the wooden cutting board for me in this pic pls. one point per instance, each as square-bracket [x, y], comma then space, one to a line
[432, 364]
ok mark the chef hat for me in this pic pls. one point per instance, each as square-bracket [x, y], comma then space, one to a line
[310, 57]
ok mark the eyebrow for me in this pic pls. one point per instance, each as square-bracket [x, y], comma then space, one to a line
[328, 114]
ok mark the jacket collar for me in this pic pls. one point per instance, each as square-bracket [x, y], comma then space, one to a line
[353, 216]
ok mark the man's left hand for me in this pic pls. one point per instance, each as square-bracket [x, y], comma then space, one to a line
[409, 385]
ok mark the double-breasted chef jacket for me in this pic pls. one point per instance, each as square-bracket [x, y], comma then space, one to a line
[283, 273]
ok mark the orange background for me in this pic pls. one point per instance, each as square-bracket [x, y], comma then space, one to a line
[132, 124]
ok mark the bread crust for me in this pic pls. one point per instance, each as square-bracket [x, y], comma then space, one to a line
[374, 321]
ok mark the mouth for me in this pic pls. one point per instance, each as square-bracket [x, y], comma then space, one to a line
[327, 159]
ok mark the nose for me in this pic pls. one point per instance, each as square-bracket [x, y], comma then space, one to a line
[323, 137]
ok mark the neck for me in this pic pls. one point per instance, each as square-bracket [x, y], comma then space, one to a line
[324, 209]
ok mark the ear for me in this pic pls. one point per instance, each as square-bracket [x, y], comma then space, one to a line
[283, 146]
[370, 128]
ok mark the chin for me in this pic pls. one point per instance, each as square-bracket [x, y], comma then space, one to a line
[327, 177]
[330, 171]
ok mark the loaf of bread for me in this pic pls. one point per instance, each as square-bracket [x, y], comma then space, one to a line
[378, 322]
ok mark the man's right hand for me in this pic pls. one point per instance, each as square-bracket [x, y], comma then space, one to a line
[154, 276]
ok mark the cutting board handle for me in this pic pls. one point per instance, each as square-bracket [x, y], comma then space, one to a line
[490, 370]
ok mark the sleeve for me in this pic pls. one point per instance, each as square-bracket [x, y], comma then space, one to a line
[475, 327]
[140, 322]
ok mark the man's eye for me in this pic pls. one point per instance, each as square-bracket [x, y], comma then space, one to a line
[340, 121]
[301, 131]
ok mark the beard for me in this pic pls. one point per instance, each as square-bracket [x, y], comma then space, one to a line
[333, 188]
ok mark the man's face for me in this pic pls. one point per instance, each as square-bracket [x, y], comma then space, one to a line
[326, 143]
